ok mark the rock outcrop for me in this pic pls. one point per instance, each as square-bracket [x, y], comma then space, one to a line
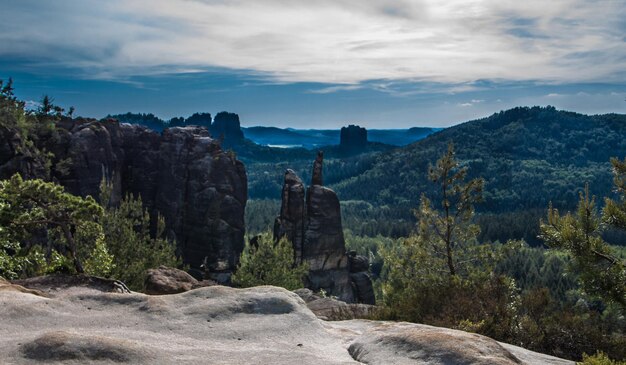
[316, 233]
[221, 325]
[182, 174]
[353, 139]
[17, 156]
[290, 222]
[317, 178]
[227, 125]
[361, 280]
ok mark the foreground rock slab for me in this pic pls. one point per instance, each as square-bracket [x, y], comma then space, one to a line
[212, 325]
[216, 325]
[401, 343]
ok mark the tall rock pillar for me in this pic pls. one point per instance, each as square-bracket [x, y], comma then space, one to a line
[316, 233]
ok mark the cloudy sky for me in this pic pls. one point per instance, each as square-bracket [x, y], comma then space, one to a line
[318, 64]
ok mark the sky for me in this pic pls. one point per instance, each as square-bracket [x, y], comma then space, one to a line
[317, 64]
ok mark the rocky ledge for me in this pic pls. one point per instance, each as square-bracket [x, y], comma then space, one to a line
[219, 325]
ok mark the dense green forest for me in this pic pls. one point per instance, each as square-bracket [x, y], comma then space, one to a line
[527, 156]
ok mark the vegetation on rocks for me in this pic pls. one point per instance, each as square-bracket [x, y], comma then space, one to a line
[127, 235]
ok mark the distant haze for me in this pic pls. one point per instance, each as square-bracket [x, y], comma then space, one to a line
[317, 64]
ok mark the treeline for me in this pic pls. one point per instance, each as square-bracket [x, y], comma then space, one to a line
[157, 124]
[527, 156]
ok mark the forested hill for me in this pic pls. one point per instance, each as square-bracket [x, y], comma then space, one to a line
[528, 156]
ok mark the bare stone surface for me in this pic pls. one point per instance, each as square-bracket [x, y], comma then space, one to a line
[401, 343]
[220, 325]
[216, 325]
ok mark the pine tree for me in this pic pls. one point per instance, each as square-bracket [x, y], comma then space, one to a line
[27, 206]
[450, 231]
[602, 272]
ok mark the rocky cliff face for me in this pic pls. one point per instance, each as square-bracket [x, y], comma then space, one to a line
[316, 233]
[17, 156]
[182, 174]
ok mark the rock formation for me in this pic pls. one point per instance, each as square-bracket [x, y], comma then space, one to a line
[353, 139]
[316, 233]
[361, 280]
[17, 156]
[182, 174]
[220, 325]
[290, 223]
[227, 125]
[317, 169]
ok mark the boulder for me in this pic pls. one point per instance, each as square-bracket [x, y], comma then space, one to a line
[168, 280]
[358, 263]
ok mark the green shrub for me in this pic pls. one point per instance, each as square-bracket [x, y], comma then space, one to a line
[269, 263]
[599, 358]
[127, 237]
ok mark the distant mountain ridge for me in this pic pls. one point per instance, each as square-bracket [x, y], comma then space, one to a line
[528, 156]
[274, 136]
[313, 138]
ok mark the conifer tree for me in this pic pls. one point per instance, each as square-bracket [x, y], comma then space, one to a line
[30, 205]
[451, 230]
[602, 272]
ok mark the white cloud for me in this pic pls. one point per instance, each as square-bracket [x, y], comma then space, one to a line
[471, 103]
[330, 41]
[333, 89]
[32, 104]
